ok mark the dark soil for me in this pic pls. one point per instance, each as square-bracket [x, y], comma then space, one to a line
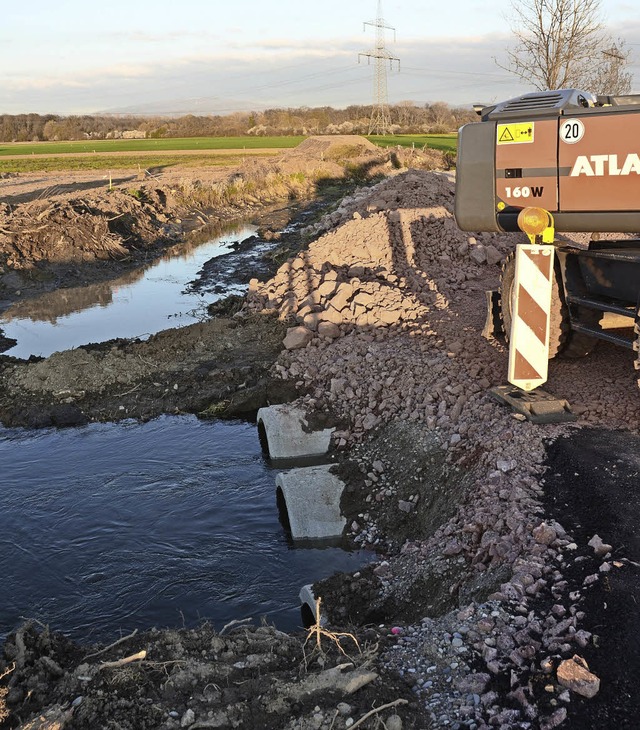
[244, 676]
[593, 486]
[214, 368]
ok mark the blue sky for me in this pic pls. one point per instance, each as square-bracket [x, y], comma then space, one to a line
[219, 55]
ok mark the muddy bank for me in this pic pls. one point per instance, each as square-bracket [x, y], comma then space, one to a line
[243, 676]
[217, 367]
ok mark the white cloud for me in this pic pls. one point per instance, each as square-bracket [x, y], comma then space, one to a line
[277, 72]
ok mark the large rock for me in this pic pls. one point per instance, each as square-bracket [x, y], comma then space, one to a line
[574, 674]
[297, 338]
[341, 297]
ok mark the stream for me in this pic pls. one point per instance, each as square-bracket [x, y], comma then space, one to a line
[135, 305]
[112, 527]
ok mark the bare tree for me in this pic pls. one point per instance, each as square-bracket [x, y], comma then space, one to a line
[610, 75]
[563, 44]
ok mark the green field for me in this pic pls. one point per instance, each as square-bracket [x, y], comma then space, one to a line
[147, 145]
[121, 162]
[152, 153]
[444, 142]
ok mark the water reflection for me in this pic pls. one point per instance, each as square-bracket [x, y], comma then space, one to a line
[127, 526]
[136, 304]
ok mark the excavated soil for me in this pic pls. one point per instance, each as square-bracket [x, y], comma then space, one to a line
[487, 600]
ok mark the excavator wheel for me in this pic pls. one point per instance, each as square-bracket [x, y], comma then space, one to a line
[562, 341]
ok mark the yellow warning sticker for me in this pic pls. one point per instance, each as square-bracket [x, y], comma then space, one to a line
[516, 133]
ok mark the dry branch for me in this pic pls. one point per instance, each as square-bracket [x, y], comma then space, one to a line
[376, 710]
[111, 646]
[122, 662]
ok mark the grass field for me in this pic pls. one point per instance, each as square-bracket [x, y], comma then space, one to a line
[444, 142]
[112, 154]
[121, 162]
[101, 146]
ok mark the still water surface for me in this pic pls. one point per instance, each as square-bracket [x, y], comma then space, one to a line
[123, 526]
[137, 304]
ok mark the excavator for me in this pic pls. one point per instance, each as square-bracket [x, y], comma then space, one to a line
[551, 163]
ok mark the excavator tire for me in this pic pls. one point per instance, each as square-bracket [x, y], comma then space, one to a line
[562, 341]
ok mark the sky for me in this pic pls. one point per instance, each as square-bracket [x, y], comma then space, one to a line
[219, 56]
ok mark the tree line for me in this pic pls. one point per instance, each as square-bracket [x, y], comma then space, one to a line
[406, 118]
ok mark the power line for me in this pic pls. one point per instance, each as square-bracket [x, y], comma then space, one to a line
[380, 116]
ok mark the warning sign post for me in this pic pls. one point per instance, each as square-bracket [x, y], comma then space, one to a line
[531, 305]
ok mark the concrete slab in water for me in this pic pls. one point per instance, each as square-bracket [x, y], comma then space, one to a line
[287, 438]
[312, 497]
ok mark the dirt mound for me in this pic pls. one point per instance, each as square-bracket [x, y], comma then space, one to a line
[370, 268]
[335, 146]
[81, 230]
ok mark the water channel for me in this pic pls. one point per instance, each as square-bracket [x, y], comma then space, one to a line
[137, 304]
[113, 527]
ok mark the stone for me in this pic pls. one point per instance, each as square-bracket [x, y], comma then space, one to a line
[364, 299]
[493, 255]
[328, 329]
[600, 548]
[574, 674]
[311, 321]
[331, 315]
[188, 718]
[369, 421]
[478, 254]
[342, 296]
[297, 338]
[394, 723]
[555, 720]
[544, 534]
[327, 289]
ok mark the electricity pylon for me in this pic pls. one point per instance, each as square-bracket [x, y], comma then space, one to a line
[380, 118]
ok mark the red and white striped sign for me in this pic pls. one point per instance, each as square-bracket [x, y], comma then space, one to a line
[530, 307]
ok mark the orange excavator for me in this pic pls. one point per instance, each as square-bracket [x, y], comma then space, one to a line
[549, 163]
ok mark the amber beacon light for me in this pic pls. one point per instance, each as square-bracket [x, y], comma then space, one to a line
[536, 222]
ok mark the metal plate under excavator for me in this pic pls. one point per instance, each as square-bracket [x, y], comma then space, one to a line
[536, 406]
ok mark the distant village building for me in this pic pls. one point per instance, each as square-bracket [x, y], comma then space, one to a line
[127, 134]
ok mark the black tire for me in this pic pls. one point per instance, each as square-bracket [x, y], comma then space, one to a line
[562, 341]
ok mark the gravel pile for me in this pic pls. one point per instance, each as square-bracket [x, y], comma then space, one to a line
[386, 308]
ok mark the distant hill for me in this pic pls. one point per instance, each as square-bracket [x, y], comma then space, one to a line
[180, 107]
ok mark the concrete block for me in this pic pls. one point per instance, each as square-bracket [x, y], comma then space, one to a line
[284, 427]
[312, 498]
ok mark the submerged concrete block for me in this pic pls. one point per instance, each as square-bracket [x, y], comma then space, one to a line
[312, 498]
[287, 433]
